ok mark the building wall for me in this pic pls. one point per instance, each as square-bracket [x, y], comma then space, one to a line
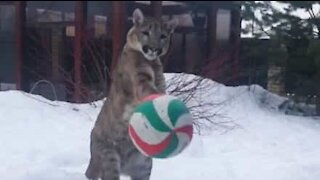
[48, 15]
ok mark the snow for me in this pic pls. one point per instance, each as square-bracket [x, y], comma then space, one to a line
[49, 140]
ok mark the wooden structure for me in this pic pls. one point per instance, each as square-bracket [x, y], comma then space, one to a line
[20, 31]
[119, 26]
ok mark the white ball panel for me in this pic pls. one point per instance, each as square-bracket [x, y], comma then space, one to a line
[145, 130]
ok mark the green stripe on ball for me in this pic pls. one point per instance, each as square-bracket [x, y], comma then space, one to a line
[176, 108]
[148, 109]
[170, 149]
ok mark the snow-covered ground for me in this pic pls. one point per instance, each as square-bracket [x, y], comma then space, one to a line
[47, 140]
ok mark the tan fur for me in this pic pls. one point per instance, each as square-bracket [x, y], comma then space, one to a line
[135, 76]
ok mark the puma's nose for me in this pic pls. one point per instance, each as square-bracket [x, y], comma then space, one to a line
[159, 51]
[147, 48]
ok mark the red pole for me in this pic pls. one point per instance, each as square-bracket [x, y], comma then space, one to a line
[20, 41]
[80, 25]
[119, 19]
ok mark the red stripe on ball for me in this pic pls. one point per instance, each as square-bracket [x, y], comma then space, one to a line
[151, 97]
[188, 129]
[149, 149]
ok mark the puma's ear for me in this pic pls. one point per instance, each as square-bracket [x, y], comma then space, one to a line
[172, 24]
[137, 17]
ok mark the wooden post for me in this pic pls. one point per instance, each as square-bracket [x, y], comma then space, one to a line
[156, 9]
[80, 26]
[119, 21]
[235, 38]
[184, 46]
[20, 41]
[211, 29]
[318, 103]
[318, 97]
[56, 42]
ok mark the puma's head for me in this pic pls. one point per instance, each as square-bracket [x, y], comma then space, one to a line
[150, 36]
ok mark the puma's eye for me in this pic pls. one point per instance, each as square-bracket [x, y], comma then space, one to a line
[163, 36]
[146, 33]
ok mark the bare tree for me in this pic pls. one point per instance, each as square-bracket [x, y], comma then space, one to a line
[197, 93]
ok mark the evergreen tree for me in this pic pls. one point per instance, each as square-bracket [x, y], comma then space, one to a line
[299, 35]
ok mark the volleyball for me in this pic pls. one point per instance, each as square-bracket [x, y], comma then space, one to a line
[161, 126]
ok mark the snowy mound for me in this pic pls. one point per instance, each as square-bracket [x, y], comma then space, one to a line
[206, 90]
[49, 140]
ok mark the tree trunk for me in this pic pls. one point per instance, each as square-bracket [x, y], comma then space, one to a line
[318, 100]
[318, 93]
